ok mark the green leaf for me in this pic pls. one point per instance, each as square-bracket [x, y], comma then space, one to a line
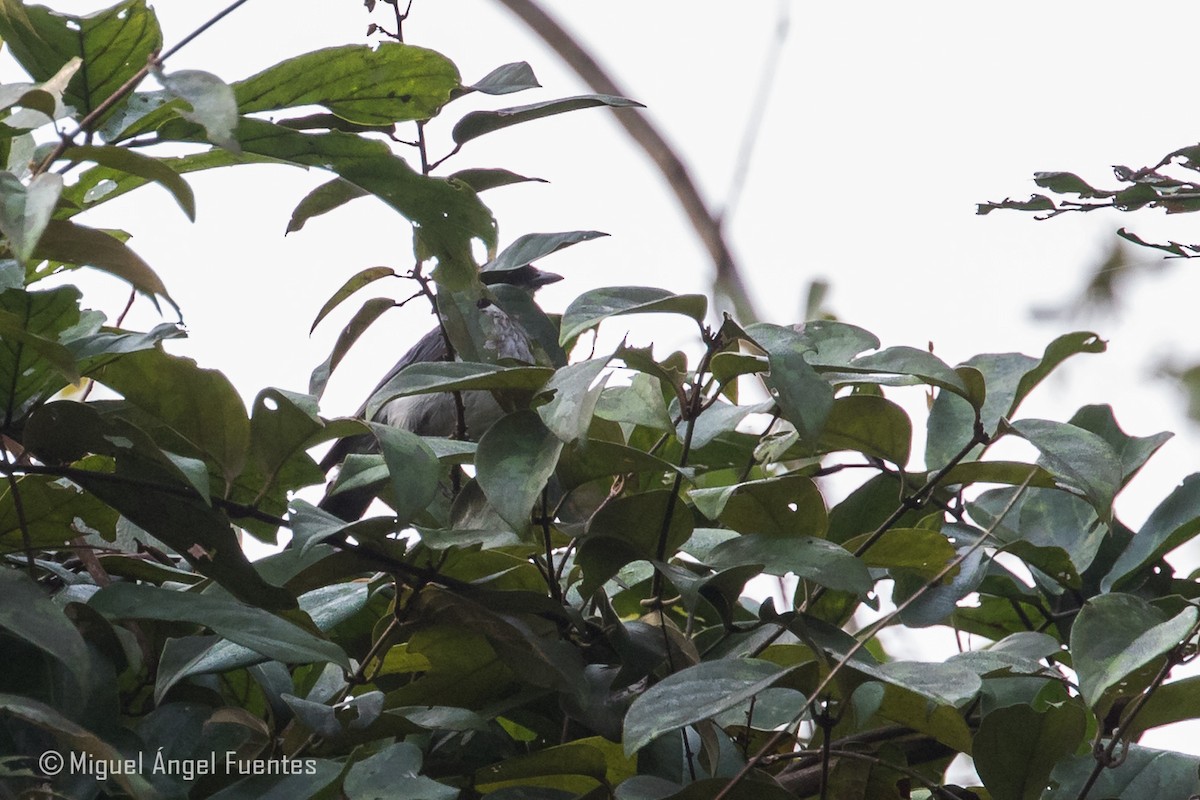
[1057, 352]
[506, 79]
[1143, 772]
[449, 376]
[483, 179]
[199, 405]
[27, 613]
[535, 246]
[74, 244]
[1175, 521]
[909, 363]
[789, 505]
[1177, 701]
[1133, 451]
[358, 281]
[1117, 634]
[629, 529]
[591, 308]
[328, 606]
[413, 468]
[248, 626]
[916, 550]
[448, 213]
[805, 398]
[577, 389]
[588, 459]
[594, 758]
[807, 557]
[515, 458]
[33, 364]
[694, 694]
[213, 105]
[323, 199]
[362, 320]
[394, 772]
[1079, 459]
[125, 160]
[114, 44]
[870, 425]
[74, 738]
[1017, 747]
[1009, 378]
[52, 513]
[25, 211]
[477, 123]
[391, 82]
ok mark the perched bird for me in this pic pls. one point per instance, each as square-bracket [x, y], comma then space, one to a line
[437, 414]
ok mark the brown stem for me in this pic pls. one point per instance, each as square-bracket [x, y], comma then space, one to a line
[707, 225]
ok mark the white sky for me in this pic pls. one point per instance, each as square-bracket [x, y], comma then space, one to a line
[887, 123]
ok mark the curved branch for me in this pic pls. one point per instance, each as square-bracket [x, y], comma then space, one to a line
[728, 279]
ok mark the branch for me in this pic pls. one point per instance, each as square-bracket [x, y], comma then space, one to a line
[728, 279]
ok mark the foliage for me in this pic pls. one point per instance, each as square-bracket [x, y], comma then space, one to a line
[569, 617]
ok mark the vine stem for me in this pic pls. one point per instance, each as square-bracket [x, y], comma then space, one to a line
[1105, 756]
[869, 633]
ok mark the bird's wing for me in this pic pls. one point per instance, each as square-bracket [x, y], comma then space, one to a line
[429, 347]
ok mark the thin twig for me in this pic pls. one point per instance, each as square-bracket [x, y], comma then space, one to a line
[729, 279]
[154, 62]
[871, 631]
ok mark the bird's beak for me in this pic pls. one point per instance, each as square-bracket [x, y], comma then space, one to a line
[543, 278]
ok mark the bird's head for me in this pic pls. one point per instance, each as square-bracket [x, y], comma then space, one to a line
[527, 277]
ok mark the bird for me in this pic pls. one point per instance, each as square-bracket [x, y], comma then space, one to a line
[437, 414]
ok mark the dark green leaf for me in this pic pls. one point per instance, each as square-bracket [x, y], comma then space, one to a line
[870, 425]
[1117, 634]
[393, 772]
[27, 613]
[1176, 520]
[446, 376]
[74, 738]
[694, 694]
[591, 308]
[1017, 747]
[629, 529]
[483, 179]
[535, 246]
[1079, 459]
[813, 559]
[33, 364]
[74, 244]
[448, 213]
[413, 467]
[1143, 773]
[358, 281]
[321, 200]
[25, 210]
[577, 389]
[506, 79]
[1133, 451]
[200, 405]
[152, 169]
[248, 626]
[917, 550]
[515, 458]
[789, 505]
[477, 123]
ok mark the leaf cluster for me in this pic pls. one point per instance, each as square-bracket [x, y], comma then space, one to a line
[568, 603]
